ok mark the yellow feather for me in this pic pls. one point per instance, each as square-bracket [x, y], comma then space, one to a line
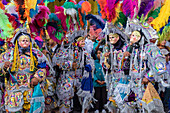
[163, 17]
[30, 4]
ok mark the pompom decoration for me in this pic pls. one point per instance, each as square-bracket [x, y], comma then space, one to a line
[59, 11]
[85, 7]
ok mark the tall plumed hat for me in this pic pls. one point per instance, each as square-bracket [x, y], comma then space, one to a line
[144, 28]
[22, 31]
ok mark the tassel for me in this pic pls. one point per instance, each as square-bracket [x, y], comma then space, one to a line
[15, 55]
[47, 35]
[28, 28]
[111, 51]
[18, 58]
[32, 59]
[135, 59]
[114, 62]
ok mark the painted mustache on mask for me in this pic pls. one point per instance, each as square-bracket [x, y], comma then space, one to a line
[82, 44]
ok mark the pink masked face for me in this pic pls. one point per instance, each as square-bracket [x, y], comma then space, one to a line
[81, 43]
[113, 40]
[134, 37]
[24, 41]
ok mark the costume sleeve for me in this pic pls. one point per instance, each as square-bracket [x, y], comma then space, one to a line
[43, 61]
[40, 74]
[6, 56]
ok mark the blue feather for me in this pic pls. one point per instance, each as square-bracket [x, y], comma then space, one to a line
[84, 19]
[94, 21]
[2, 43]
[33, 12]
[99, 9]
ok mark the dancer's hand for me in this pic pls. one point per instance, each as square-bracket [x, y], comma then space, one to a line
[7, 64]
[103, 82]
[45, 52]
[74, 65]
[106, 54]
[34, 81]
[145, 81]
[125, 54]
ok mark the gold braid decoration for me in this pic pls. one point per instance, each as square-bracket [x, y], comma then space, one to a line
[32, 58]
[16, 54]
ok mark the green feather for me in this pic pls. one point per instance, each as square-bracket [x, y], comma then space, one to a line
[67, 22]
[68, 5]
[154, 13]
[5, 26]
[122, 19]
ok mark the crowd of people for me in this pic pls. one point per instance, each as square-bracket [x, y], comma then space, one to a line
[70, 60]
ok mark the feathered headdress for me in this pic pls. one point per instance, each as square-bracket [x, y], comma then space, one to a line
[130, 7]
[70, 10]
[13, 19]
[59, 11]
[121, 21]
[158, 3]
[94, 21]
[145, 7]
[102, 4]
[21, 10]
[54, 28]
[11, 8]
[2, 5]
[163, 17]
[43, 13]
[112, 7]
[154, 13]
[143, 28]
[85, 7]
[5, 2]
[164, 35]
[5, 26]
[39, 20]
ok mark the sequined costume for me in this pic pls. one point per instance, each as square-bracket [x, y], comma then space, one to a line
[26, 64]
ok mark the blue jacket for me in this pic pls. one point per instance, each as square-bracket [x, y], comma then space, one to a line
[98, 74]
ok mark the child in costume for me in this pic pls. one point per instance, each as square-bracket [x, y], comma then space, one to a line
[85, 64]
[99, 84]
[26, 86]
[81, 67]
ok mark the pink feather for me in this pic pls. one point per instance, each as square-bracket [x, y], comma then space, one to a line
[51, 32]
[59, 11]
[38, 38]
[43, 12]
[135, 5]
[128, 8]
[111, 9]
